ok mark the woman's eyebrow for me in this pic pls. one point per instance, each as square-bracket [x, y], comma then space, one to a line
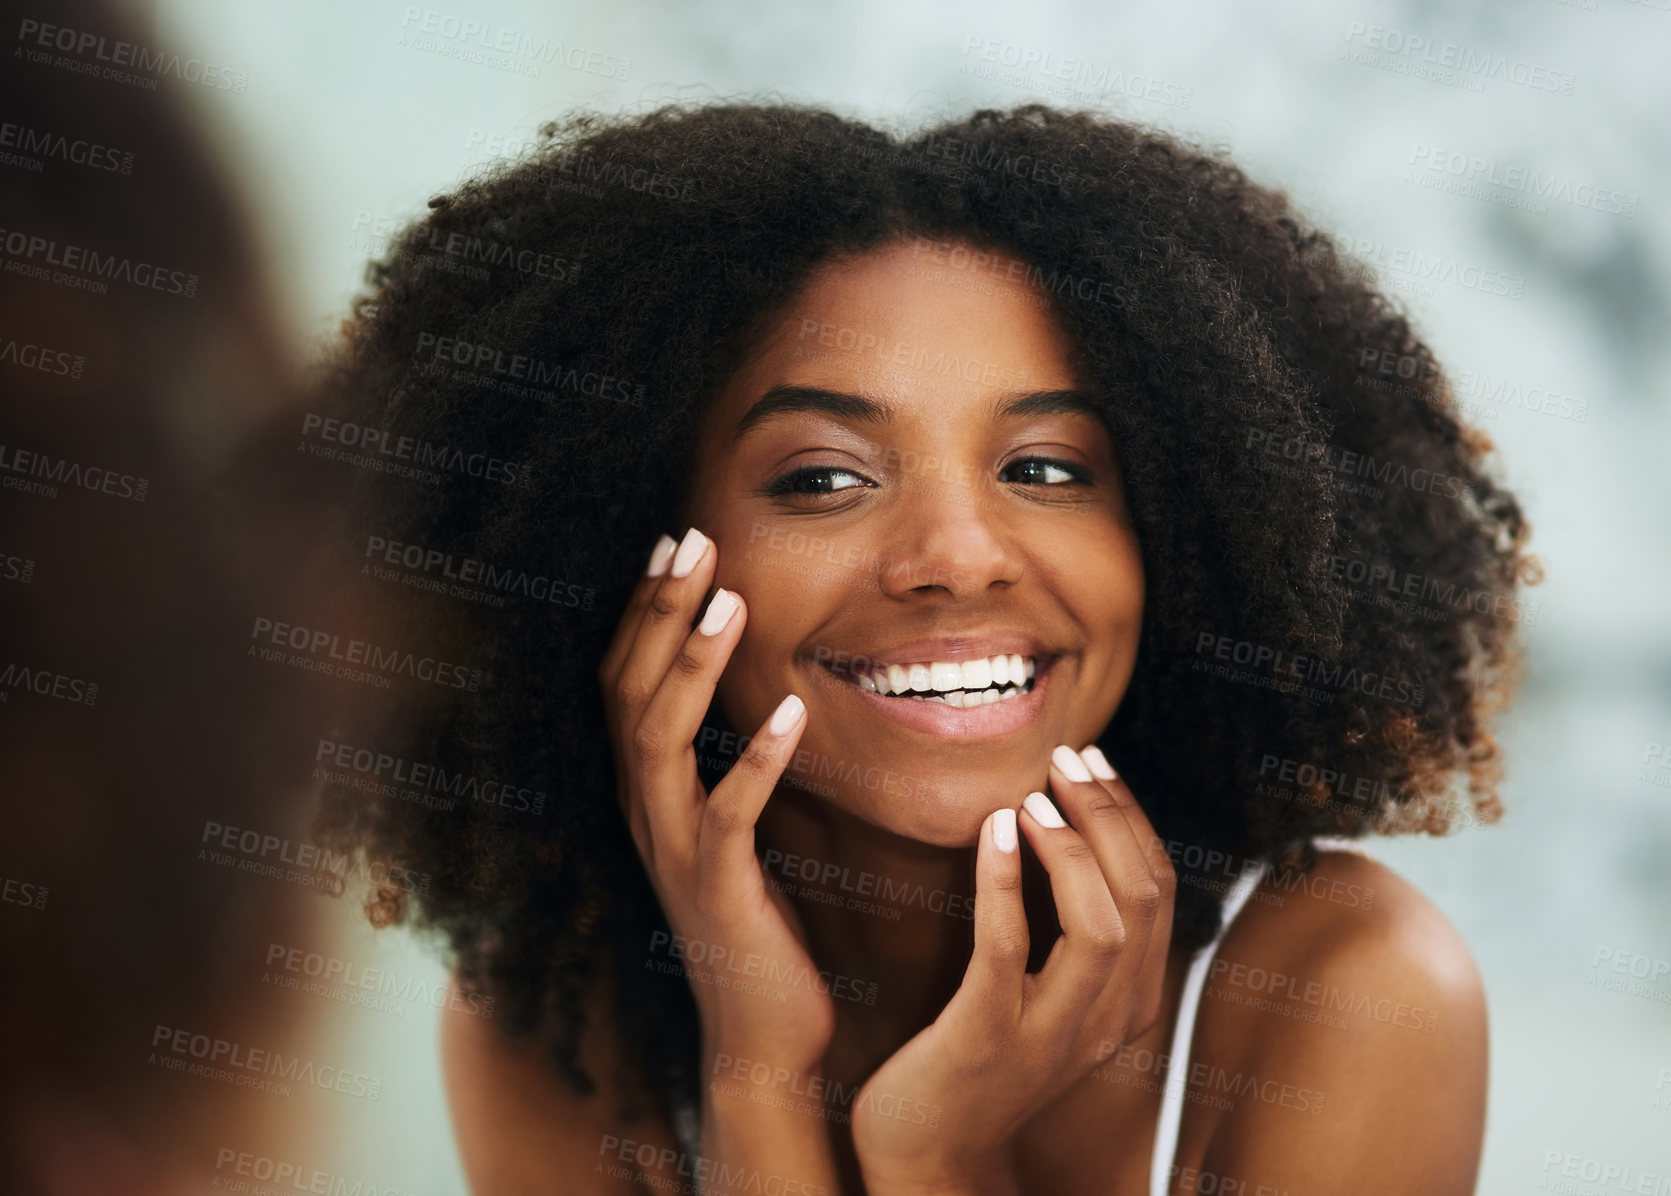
[781, 400]
[1046, 402]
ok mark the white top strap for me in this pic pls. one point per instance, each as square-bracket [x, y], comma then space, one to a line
[1177, 1066]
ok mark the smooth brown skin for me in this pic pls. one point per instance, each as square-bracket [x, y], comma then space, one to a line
[969, 547]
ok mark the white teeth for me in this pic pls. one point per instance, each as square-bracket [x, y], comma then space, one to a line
[971, 697]
[945, 676]
[960, 683]
[973, 676]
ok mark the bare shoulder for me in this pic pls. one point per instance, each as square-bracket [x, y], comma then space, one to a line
[1343, 1020]
[1359, 919]
[521, 1129]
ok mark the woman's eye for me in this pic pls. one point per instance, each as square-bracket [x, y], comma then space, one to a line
[816, 479]
[1042, 471]
[831, 479]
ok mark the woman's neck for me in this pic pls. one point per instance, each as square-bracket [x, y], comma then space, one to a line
[889, 918]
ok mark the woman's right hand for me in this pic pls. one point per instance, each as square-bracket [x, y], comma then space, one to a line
[756, 987]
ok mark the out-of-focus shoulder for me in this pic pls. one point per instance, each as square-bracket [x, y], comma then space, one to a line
[521, 1129]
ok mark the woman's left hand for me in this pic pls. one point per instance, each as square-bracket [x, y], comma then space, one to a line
[1010, 1041]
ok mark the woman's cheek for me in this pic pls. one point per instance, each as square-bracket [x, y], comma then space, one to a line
[741, 692]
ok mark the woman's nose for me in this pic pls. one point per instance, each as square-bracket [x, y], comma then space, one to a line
[950, 538]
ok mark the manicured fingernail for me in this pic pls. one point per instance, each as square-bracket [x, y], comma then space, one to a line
[1098, 763]
[1073, 768]
[690, 551]
[720, 609]
[1003, 829]
[661, 555]
[1043, 810]
[786, 715]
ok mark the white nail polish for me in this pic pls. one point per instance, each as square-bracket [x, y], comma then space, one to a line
[1043, 810]
[1073, 768]
[661, 555]
[720, 609]
[1098, 763]
[690, 551]
[786, 714]
[1003, 829]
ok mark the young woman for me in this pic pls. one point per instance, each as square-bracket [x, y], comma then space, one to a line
[1071, 544]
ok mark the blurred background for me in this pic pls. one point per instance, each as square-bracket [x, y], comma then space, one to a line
[1505, 169]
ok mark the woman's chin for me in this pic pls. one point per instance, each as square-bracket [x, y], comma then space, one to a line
[936, 816]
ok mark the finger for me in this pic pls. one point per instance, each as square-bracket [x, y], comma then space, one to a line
[1096, 811]
[1093, 933]
[625, 632]
[664, 625]
[1165, 877]
[1154, 849]
[725, 838]
[663, 749]
[995, 980]
[1103, 809]
[609, 673]
[609, 669]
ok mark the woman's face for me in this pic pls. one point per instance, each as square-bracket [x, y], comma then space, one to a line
[906, 487]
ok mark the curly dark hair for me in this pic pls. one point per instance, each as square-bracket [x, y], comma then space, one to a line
[1290, 451]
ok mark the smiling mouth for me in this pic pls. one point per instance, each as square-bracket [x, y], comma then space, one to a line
[982, 681]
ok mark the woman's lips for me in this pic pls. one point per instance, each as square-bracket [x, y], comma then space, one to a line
[938, 718]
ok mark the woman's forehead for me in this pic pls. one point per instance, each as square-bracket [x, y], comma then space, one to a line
[893, 324]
